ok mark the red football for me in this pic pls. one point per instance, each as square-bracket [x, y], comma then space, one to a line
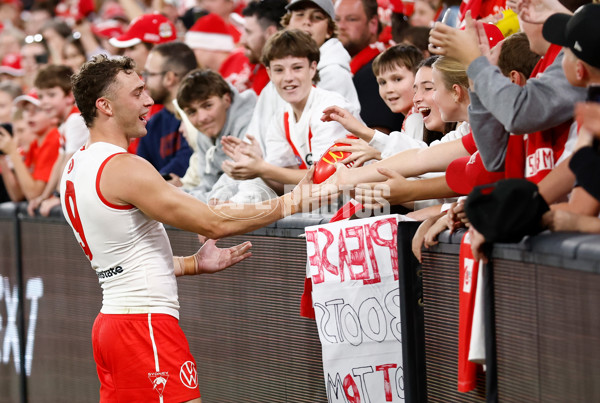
[325, 167]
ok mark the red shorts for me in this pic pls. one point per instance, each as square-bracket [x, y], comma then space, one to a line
[143, 358]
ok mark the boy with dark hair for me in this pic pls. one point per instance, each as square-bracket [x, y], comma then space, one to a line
[216, 109]
[56, 99]
[394, 70]
[515, 57]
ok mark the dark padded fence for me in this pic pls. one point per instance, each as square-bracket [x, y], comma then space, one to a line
[546, 313]
[250, 343]
[243, 324]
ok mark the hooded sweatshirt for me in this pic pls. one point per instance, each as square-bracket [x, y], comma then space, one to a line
[210, 151]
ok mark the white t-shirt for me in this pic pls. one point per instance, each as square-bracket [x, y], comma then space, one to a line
[310, 137]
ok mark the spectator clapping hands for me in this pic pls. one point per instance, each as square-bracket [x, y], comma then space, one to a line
[246, 157]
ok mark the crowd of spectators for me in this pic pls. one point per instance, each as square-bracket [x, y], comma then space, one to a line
[439, 97]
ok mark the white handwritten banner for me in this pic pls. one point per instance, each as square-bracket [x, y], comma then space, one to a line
[354, 270]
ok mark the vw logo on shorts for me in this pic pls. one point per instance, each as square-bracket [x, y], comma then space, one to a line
[188, 375]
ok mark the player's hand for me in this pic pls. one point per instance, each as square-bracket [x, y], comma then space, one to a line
[348, 121]
[308, 196]
[342, 175]
[360, 149]
[211, 259]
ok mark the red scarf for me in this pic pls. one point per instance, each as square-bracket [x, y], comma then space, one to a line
[365, 56]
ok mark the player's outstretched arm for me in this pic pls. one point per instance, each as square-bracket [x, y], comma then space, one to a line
[129, 179]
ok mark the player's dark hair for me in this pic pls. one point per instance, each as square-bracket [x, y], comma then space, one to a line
[200, 85]
[178, 57]
[516, 55]
[94, 81]
[266, 12]
[54, 75]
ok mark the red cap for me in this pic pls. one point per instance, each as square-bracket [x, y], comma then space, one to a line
[464, 173]
[31, 96]
[11, 64]
[150, 28]
[494, 34]
[210, 32]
